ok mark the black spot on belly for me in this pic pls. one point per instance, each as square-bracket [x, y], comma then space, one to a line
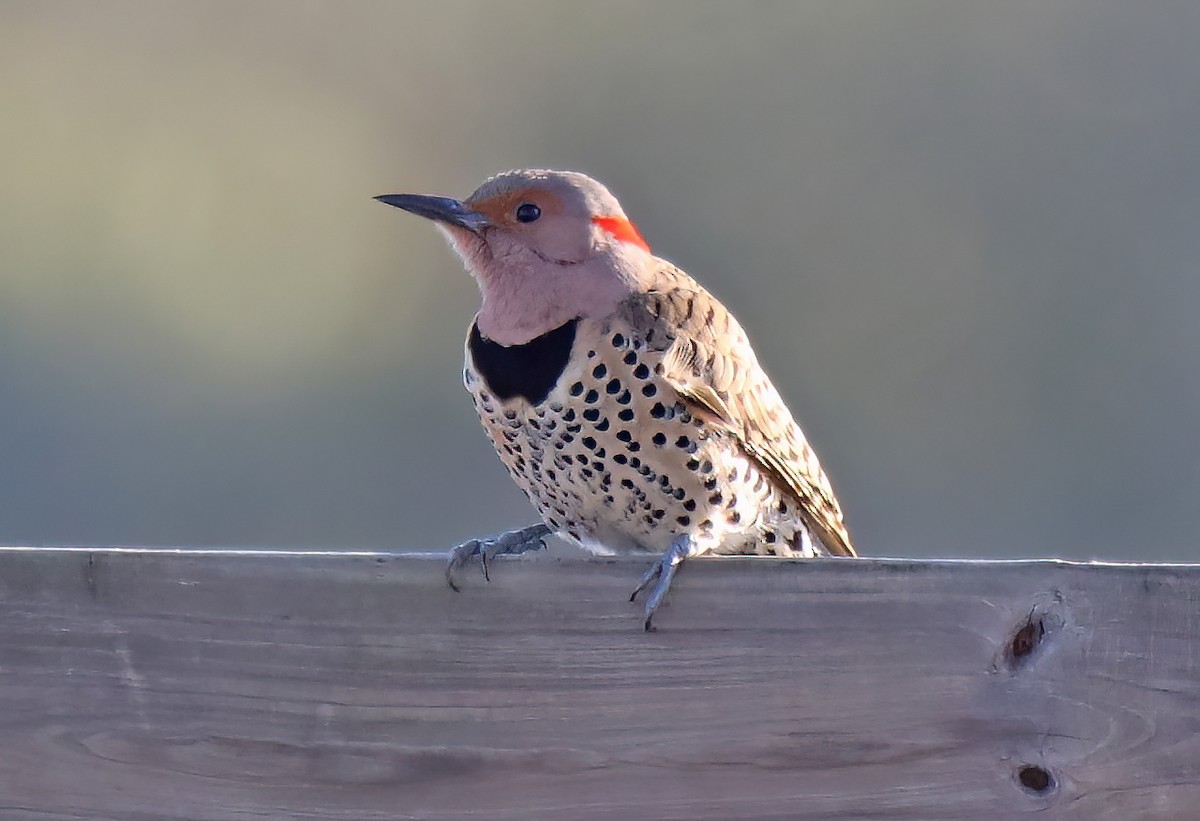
[530, 370]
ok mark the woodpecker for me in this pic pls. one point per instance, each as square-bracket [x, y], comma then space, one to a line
[623, 398]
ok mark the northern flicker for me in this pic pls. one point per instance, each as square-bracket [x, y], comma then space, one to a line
[623, 398]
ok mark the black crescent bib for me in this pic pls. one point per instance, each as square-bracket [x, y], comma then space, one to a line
[530, 370]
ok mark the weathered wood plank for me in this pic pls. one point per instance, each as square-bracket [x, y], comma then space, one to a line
[162, 686]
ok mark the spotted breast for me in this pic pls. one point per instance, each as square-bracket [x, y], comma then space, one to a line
[621, 440]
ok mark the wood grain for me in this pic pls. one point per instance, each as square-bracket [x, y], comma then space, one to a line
[186, 686]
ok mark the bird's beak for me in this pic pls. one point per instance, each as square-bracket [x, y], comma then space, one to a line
[444, 209]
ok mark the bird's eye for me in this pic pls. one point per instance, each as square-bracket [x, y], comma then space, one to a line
[528, 212]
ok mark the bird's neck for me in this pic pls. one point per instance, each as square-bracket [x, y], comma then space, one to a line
[522, 303]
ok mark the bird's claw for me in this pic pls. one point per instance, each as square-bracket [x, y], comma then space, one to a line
[663, 570]
[513, 542]
[458, 557]
[653, 573]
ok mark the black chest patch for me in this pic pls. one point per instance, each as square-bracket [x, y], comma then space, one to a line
[528, 370]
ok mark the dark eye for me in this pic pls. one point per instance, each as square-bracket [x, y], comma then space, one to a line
[528, 212]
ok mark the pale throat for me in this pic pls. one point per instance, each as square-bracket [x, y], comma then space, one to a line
[522, 301]
[524, 296]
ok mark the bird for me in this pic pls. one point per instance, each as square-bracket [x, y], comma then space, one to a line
[624, 399]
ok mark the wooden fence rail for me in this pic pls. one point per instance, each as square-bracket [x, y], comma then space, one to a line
[240, 685]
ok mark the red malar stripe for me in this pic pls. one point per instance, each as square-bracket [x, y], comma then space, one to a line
[621, 229]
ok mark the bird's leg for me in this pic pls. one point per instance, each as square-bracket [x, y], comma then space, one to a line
[664, 570]
[513, 542]
[653, 573]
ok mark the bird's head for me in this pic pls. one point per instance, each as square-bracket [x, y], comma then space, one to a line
[544, 246]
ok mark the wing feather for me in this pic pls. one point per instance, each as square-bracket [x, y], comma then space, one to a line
[707, 359]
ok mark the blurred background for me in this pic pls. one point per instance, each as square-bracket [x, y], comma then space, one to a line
[964, 237]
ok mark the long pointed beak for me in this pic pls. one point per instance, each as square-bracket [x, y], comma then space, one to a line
[444, 209]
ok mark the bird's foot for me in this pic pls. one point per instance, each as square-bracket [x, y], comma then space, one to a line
[513, 542]
[664, 571]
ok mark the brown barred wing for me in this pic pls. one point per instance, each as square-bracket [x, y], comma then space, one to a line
[704, 355]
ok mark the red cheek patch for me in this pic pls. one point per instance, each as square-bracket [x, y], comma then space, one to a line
[621, 229]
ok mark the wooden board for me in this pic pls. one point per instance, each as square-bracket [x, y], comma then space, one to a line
[169, 685]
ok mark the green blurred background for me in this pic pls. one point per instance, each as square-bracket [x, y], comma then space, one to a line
[963, 235]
